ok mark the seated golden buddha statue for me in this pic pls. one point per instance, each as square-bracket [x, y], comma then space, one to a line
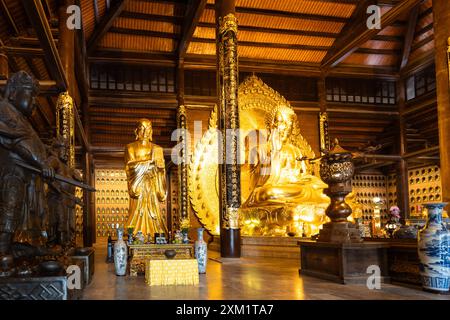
[278, 176]
[145, 169]
[279, 193]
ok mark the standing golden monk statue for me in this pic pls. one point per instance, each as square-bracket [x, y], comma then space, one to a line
[145, 169]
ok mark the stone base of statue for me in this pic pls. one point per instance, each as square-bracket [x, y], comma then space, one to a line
[340, 232]
[53, 287]
[346, 263]
[87, 256]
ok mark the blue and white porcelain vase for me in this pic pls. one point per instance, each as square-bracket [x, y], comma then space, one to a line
[120, 254]
[201, 251]
[434, 250]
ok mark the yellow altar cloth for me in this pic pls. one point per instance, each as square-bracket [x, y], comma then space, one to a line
[171, 272]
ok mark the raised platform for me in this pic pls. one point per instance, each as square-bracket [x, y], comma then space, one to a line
[268, 247]
[38, 288]
[343, 262]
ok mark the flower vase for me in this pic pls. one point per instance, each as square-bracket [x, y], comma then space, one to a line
[120, 254]
[201, 252]
[434, 250]
[185, 236]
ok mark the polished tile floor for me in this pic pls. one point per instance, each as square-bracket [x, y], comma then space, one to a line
[247, 278]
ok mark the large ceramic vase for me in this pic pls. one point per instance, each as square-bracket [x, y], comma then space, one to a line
[434, 250]
[120, 254]
[201, 252]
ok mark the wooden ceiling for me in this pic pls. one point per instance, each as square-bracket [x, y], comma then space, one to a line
[298, 37]
[289, 31]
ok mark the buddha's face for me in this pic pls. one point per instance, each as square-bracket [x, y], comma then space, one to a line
[282, 125]
[144, 130]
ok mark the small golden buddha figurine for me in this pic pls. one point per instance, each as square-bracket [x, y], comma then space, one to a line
[146, 177]
[277, 177]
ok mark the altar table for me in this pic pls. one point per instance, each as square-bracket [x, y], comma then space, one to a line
[171, 272]
[140, 253]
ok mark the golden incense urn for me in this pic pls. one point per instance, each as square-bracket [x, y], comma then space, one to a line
[337, 169]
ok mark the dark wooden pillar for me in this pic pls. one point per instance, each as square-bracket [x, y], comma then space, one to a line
[441, 12]
[180, 81]
[227, 89]
[323, 116]
[89, 235]
[184, 151]
[66, 45]
[402, 165]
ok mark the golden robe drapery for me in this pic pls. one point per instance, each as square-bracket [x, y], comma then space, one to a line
[147, 188]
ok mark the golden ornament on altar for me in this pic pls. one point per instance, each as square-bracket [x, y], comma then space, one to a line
[146, 177]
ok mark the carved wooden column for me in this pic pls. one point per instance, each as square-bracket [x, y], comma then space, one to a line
[402, 166]
[323, 116]
[183, 167]
[183, 198]
[65, 124]
[227, 89]
[441, 12]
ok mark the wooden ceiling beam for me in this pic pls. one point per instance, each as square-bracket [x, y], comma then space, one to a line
[152, 17]
[37, 17]
[96, 12]
[105, 24]
[9, 18]
[27, 41]
[284, 14]
[105, 119]
[192, 17]
[296, 32]
[409, 36]
[422, 42]
[337, 1]
[268, 45]
[167, 2]
[353, 129]
[45, 86]
[362, 34]
[299, 46]
[357, 18]
[36, 73]
[425, 29]
[39, 21]
[208, 62]
[276, 30]
[146, 33]
[426, 12]
[421, 153]
[24, 51]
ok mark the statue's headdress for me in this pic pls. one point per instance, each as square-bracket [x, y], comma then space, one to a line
[21, 80]
[285, 110]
